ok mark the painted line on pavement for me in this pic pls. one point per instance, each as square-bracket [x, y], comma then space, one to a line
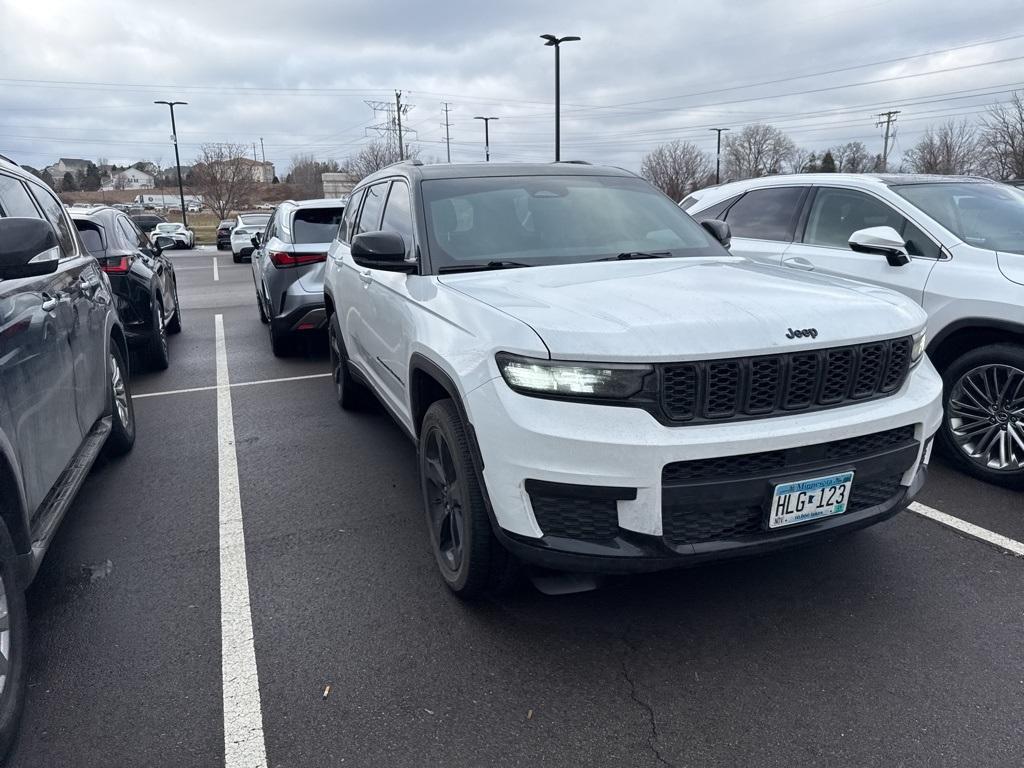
[216, 273]
[969, 529]
[244, 746]
[212, 387]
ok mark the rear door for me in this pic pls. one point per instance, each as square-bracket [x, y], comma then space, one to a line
[38, 410]
[763, 222]
[836, 213]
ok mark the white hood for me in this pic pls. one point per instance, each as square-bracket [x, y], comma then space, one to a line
[680, 309]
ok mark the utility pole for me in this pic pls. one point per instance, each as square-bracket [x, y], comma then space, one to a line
[254, 158]
[177, 158]
[398, 113]
[718, 155]
[887, 119]
[262, 152]
[447, 131]
[556, 42]
[487, 136]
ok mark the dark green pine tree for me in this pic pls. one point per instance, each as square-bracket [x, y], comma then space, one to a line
[828, 163]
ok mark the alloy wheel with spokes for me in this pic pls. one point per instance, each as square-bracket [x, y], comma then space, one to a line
[5, 637]
[120, 392]
[444, 500]
[985, 416]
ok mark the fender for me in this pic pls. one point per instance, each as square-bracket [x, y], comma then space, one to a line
[973, 322]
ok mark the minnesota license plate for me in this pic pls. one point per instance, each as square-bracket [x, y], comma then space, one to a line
[804, 500]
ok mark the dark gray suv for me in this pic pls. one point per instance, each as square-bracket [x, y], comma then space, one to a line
[64, 397]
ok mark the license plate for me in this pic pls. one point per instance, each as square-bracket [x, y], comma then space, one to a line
[804, 500]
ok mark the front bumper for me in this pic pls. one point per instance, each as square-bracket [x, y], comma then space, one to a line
[531, 448]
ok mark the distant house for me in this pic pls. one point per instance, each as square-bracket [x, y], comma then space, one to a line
[71, 165]
[130, 178]
[262, 173]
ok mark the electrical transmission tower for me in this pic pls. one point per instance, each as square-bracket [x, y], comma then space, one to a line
[887, 119]
[390, 114]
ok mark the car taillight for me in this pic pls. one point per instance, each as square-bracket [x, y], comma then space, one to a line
[116, 265]
[283, 259]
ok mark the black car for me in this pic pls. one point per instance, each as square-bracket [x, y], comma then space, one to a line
[64, 398]
[224, 234]
[147, 221]
[143, 280]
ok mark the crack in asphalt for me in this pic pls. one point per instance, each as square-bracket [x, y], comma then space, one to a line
[652, 740]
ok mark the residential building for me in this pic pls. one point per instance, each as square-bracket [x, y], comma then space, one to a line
[130, 178]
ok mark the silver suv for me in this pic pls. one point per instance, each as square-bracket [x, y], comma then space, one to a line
[288, 267]
[954, 244]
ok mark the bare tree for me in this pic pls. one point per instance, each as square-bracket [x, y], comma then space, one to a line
[374, 156]
[799, 161]
[952, 148]
[223, 176]
[305, 174]
[757, 150]
[851, 157]
[1001, 141]
[676, 168]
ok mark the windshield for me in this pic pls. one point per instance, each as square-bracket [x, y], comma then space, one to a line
[983, 215]
[258, 219]
[316, 225]
[540, 220]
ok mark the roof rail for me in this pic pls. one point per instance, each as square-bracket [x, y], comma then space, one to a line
[573, 162]
[5, 157]
[407, 161]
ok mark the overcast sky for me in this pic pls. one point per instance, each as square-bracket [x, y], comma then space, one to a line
[78, 79]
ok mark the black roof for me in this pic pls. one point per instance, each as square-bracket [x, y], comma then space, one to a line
[415, 171]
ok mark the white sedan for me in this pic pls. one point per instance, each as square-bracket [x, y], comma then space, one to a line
[181, 235]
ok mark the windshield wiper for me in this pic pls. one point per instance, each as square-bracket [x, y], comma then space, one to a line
[482, 266]
[627, 255]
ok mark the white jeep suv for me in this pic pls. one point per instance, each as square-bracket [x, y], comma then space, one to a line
[954, 244]
[595, 384]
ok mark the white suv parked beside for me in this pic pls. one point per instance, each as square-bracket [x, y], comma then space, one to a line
[953, 244]
[595, 384]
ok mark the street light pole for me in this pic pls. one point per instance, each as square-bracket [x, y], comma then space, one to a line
[718, 155]
[177, 157]
[557, 42]
[487, 136]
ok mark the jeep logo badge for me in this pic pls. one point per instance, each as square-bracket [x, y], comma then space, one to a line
[799, 334]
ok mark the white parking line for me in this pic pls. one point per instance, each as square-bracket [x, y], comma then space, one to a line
[969, 529]
[244, 746]
[239, 384]
[216, 273]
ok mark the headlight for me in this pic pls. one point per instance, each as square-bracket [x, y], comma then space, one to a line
[555, 378]
[920, 341]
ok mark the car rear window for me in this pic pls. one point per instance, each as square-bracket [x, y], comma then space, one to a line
[317, 225]
[92, 237]
[255, 219]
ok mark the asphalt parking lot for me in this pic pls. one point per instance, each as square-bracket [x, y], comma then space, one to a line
[900, 645]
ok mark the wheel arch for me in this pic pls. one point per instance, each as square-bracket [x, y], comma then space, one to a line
[428, 383]
[12, 501]
[966, 334]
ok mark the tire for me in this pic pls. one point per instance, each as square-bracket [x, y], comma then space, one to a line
[122, 410]
[469, 557]
[264, 318]
[158, 351]
[280, 344]
[236, 258]
[982, 429]
[12, 696]
[350, 394]
[174, 325]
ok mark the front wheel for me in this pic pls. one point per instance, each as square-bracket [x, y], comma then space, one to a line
[469, 557]
[13, 646]
[983, 425]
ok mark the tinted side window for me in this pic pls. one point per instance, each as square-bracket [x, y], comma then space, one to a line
[716, 211]
[918, 243]
[397, 214]
[838, 213]
[131, 235]
[54, 213]
[766, 214]
[348, 230]
[15, 200]
[369, 218]
[92, 237]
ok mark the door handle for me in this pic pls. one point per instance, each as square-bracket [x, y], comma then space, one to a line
[798, 262]
[366, 277]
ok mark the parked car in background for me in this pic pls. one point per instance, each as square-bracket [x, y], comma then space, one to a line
[194, 208]
[179, 234]
[954, 244]
[142, 279]
[246, 225]
[147, 221]
[224, 233]
[288, 267]
[595, 384]
[64, 398]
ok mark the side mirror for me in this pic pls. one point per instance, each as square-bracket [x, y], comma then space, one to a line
[718, 230]
[28, 248]
[163, 243]
[884, 241]
[381, 250]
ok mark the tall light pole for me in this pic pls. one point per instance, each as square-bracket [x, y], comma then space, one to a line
[487, 136]
[177, 158]
[718, 155]
[557, 42]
